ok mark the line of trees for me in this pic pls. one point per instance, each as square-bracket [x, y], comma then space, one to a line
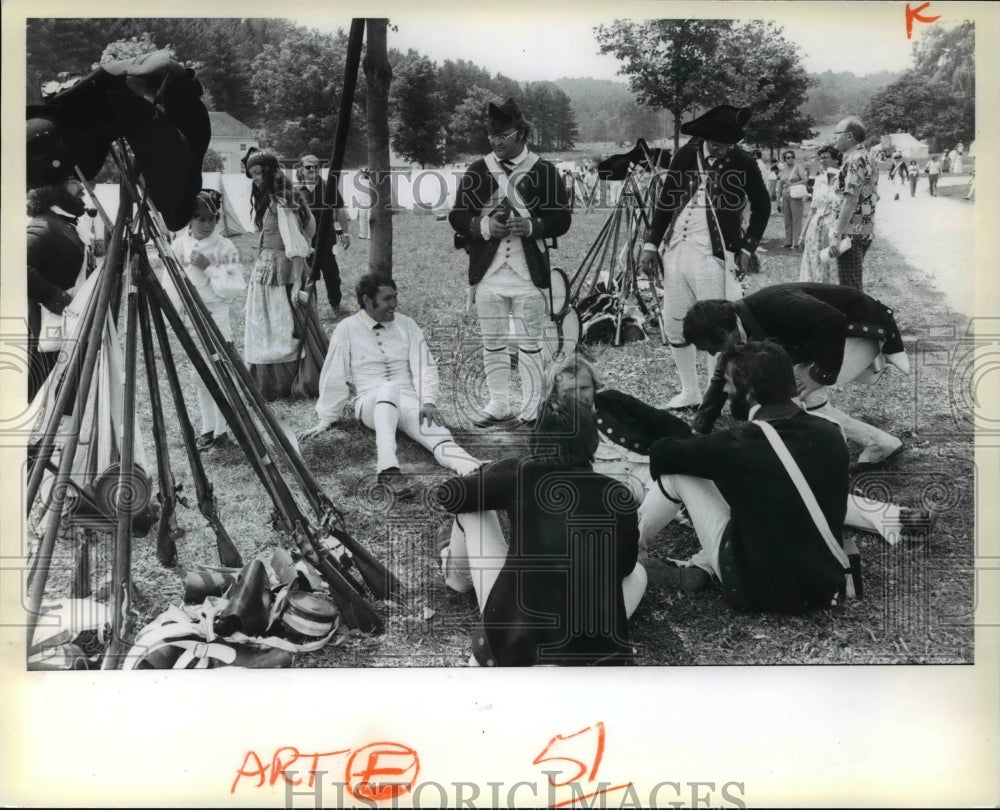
[438, 112]
[935, 101]
[285, 81]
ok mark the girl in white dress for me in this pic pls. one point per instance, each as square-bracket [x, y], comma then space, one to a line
[213, 267]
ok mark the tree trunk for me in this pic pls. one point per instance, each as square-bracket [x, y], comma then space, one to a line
[378, 76]
[677, 129]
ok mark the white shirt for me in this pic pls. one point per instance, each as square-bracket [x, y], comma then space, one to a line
[366, 357]
[218, 284]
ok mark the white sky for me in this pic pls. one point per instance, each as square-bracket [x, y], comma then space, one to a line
[534, 41]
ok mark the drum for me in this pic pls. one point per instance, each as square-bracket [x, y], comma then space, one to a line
[137, 493]
[558, 293]
[309, 615]
[560, 335]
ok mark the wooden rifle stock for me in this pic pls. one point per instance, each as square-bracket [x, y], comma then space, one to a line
[167, 530]
[228, 554]
[383, 583]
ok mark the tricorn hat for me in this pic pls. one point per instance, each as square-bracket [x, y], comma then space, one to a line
[258, 157]
[507, 115]
[723, 124]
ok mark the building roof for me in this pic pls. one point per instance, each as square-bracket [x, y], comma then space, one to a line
[225, 126]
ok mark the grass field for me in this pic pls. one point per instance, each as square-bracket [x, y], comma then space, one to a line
[918, 602]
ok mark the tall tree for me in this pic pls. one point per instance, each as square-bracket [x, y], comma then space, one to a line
[418, 111]
[566, 132]
[766, 74]
[921, 106]
[467, 124]
[948, 56]
[378, 76]
[669, 63]
[296, 83]
[539, 109]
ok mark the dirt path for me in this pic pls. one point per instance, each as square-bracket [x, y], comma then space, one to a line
[935, 234]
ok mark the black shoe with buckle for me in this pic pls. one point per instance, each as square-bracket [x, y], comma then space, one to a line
[205, 440]
[392, 479]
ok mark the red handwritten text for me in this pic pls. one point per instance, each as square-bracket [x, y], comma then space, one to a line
[587, 742]
[914, 14]
[254, 767]
[382, 770]
[373, 773]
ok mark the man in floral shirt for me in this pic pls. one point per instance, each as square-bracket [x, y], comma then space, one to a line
[856, 196]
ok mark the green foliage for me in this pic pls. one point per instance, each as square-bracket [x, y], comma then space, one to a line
[836, 95]
[467, 125]
[687, 65]
[418, 111]
[936, 100]
[549, 110]
[670, 64]
[296, 84]
[212, 161]
[765, 73]
[923, 107]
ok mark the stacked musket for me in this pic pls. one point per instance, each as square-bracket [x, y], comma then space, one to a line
[349, 569]
[613, 258]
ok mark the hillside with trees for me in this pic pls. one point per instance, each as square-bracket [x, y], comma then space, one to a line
[284, 81]
[834, 95]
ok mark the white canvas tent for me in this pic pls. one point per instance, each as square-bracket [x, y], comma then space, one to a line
[430, 190]
[908, 146]
[235, 189]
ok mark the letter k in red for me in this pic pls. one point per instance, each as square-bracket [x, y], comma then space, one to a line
[914, 14]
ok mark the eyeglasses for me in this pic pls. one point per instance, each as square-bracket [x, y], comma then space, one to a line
[503, 136]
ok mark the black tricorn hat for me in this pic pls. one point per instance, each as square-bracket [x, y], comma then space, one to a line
[723, 124]
[502, 118]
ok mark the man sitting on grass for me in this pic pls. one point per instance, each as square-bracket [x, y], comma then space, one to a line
[562, 592]
[385, 356]
[757, 536]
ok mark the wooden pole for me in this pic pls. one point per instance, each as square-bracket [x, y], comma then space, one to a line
[378, 77]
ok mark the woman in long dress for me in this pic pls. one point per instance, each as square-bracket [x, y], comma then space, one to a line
[286, 227]
[821, 218]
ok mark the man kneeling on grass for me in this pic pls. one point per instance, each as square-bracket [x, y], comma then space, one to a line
[561, 594]
[757, 536]
[384, 354]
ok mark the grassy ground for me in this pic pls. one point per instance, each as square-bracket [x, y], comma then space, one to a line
[918, 602]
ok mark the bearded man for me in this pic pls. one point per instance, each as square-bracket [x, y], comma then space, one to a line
[56, 254]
